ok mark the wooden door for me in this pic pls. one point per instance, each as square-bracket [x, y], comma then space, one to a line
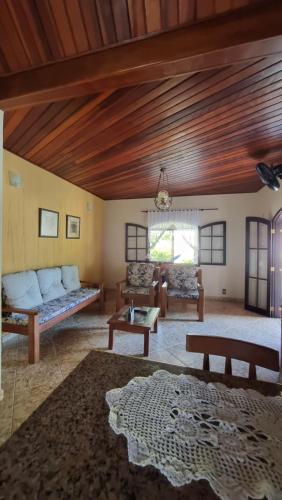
[257, 278]
[276, 269]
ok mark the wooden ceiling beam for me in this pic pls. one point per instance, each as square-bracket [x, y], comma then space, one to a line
[248, 33]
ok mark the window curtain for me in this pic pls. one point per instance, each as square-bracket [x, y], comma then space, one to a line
[184, 220]
[173, 219]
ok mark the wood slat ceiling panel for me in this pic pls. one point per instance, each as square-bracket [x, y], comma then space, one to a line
[34, 32]
[209, 129]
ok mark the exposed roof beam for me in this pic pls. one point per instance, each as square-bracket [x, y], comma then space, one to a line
[245, 34]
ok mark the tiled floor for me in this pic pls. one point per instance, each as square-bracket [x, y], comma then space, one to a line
[64, 346]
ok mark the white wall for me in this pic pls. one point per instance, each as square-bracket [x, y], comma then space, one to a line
[232, 208]
[269, 202]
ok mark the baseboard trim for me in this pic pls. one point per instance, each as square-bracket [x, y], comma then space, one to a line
[208, 297]
[224, 299]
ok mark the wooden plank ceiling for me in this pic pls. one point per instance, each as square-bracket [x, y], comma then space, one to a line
[35, 32]
[209, 129]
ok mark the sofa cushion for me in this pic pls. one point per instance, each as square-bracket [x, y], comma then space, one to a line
[70, 278]
[53, 308]
[58, 306]
[21, 290]
[50, 283]
[182, 277]
[183, 294]
[140, 274]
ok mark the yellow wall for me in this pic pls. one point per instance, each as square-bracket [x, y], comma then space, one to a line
[22, 248]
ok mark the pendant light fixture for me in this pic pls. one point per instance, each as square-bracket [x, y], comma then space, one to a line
[163, 200]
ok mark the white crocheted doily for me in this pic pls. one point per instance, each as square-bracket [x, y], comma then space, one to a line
[189, 429]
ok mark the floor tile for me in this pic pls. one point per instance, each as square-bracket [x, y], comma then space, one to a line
[64, 346]
[6, 414]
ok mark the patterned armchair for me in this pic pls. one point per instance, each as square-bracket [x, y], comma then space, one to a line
[141, 285]
[183, 282]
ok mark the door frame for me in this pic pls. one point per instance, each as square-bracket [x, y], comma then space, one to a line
[264, 312]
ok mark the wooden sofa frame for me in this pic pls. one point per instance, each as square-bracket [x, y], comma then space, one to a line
[153, 301]
[200, 302]
[33, 329]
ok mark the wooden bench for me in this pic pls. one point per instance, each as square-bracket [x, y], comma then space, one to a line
[32, 324]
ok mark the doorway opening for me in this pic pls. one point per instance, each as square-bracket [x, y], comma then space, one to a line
[257, 278]
[263, 278]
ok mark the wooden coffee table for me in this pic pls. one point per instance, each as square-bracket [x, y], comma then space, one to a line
[142, 324]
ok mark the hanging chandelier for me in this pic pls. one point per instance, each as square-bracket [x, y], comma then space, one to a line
[163, 200]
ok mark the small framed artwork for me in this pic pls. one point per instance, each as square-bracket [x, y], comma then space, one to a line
[48, 223]
[72, 227]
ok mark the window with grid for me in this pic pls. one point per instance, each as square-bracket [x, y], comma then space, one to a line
[212, 244]
[136, 243]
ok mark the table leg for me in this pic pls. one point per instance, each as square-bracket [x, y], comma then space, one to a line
[156, 326]
[146, 343]
[111, 337]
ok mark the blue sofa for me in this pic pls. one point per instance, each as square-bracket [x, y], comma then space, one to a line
[34, 301]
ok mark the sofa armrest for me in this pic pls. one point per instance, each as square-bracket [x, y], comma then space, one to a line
[28, 312]
[89, 284]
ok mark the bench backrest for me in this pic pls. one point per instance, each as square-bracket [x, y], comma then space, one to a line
[233, 349]
[28, 289]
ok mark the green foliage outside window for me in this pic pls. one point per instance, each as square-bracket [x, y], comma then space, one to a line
[171, 245]
[161, 255]
[161, 246]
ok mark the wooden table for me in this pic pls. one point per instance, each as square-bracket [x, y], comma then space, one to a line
[142, 324]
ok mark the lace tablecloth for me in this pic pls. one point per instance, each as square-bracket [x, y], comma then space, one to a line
[189, 429]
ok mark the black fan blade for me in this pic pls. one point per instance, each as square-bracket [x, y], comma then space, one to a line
[267, 176]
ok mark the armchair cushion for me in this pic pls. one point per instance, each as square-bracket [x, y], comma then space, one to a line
[70, 278]
[21, 290]
[182, 277]
[183, 294]
[50, 283]
[140, 290]
[140, 274]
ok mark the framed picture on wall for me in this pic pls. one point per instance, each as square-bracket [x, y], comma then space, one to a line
[48, 223]
[72, 227]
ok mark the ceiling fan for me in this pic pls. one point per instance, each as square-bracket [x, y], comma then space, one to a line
[269, 175]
